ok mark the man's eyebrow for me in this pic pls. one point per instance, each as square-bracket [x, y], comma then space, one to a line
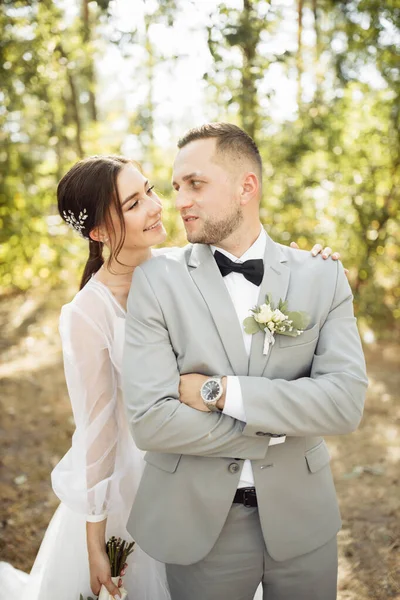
[186, 177]
[132, 196]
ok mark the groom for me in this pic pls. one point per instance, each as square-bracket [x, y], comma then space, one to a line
[237, 487]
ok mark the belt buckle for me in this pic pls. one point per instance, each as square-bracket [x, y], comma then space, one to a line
[246, 495]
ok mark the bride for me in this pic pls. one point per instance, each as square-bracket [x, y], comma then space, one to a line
[108, 201]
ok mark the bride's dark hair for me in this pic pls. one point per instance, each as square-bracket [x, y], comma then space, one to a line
[85, 195]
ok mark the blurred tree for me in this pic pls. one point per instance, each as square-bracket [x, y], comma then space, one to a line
[337, 166]
[142, 120]
[43, 124]
[331, 169]
[234, 38]
[89, 68]
[368, 64]
[300, 5]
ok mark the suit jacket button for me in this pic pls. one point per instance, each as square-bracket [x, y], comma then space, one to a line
[234, 467]
[261, 433]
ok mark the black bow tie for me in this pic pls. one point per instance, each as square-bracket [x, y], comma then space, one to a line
[253, 270]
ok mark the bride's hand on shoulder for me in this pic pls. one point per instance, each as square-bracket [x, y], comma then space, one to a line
[325, 252]
[100, 573]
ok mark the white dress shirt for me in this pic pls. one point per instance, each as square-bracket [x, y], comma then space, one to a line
[244, 296]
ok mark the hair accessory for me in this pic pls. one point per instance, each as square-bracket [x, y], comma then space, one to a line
[77, 223]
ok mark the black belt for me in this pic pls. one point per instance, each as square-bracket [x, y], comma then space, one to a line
[246, 496]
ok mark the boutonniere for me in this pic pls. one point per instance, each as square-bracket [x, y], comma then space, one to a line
[275, 321]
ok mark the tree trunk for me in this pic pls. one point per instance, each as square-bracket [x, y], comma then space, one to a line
[317, 55]
[77, 119]
[150, 83]
[74, 105]
[299, 51]
[248, 100]
[89, 70]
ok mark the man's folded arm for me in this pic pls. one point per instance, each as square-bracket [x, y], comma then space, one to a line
[157, 419]
[331, 400]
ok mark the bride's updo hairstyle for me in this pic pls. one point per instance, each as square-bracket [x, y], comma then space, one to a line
[85, 195]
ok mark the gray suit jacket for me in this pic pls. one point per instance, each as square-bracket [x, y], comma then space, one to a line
[181, 320]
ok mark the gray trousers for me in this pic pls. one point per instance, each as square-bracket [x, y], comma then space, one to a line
[239, 561]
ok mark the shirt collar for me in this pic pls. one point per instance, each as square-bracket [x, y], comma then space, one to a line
[256, 250]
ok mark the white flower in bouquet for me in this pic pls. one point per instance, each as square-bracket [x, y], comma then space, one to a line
[278, 316]
[264, 315]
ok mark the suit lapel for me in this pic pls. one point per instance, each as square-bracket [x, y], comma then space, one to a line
[275, 282]
[208, 279]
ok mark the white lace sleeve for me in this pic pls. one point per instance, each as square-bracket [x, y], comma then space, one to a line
[93, 477]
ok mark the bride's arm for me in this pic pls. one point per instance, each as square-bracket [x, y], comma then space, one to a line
[88, 478]
[83, 479]
[99, 564]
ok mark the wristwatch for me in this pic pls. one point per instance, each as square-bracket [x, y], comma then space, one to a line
[211, 391]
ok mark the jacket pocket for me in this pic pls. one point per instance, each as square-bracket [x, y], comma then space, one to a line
[308, 335]
[317, 457]
[166, 462]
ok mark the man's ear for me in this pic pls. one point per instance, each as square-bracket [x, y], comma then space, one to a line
[250, 188]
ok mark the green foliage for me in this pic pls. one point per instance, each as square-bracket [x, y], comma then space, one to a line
[331, 171]
[300, 320]
[337, 166]
[251, 326]
[42, 119]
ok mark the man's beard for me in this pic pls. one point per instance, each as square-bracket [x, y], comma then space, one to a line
[214, 232]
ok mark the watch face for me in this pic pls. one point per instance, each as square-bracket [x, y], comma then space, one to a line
[211, 390]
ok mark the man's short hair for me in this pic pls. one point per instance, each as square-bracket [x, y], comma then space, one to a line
[230, 140]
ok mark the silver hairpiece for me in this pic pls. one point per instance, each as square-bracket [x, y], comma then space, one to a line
[77, 223]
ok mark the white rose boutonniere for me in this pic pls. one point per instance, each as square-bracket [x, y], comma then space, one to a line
[275, 321]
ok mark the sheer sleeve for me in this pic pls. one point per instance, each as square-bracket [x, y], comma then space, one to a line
[93, 477]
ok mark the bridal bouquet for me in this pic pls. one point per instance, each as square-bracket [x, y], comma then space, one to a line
[118, 551]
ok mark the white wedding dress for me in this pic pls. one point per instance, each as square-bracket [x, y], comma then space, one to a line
[100, 473]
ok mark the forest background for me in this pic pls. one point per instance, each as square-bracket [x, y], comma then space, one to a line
[315, 82]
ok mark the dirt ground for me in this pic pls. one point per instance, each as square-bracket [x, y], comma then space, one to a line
[36, 426]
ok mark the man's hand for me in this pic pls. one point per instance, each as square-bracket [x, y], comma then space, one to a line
[189, 391]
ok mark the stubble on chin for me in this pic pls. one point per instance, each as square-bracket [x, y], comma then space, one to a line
[214, 232]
